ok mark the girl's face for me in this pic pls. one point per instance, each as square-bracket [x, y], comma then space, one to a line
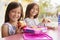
[15, 14]
[34, 11]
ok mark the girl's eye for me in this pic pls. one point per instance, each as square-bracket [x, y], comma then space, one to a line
[37, 9]
[18, 12]
[13, 11]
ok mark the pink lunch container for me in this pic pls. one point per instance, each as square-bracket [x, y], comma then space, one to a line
[29, 36]
[32, 34]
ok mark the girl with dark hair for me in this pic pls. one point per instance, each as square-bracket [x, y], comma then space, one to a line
[34, 27]
[14, 13]
[31, 15]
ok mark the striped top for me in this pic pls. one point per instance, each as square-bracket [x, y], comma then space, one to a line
[12, 29]
[32, 22]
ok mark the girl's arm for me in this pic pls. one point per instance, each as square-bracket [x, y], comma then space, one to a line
[5, 30]
[20, 27]
[18, 30]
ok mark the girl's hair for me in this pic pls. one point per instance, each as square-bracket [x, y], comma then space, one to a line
[28, 9]
[11, 6]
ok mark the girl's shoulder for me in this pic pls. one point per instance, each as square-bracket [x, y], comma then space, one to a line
[5, 26]
[27, 19]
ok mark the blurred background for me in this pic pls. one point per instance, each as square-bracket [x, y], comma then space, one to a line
[48, 9]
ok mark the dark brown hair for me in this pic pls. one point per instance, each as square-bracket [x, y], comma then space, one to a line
[11, 6]
[28, 9]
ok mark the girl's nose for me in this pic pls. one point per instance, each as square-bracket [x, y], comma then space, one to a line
[35, 11]
[16, 14]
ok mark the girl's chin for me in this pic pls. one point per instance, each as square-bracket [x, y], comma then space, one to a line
[33, 14]
[15, 20]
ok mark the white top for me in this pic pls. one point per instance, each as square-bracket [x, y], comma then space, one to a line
[11, 28]
[32, 22]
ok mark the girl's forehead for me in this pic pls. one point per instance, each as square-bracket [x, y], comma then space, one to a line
[35, 6]
[18, 8]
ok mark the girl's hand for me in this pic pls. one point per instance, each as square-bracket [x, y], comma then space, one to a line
[18, 31]
[21, 24]
[51, 28]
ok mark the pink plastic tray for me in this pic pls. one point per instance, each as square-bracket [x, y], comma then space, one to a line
[29, 36]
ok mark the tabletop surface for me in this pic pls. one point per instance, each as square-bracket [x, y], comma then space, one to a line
[13, 37]
[20, 37]
[51, 33]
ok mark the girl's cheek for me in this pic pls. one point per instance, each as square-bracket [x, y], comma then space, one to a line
[10, 15]
[19, 15]
[31, 10]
